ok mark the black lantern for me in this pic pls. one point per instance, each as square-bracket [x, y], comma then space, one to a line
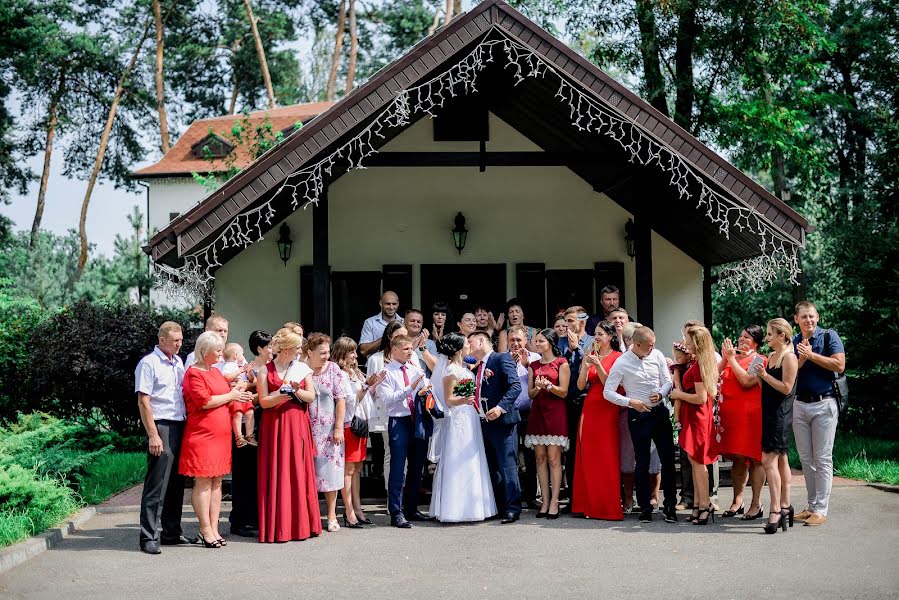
[460, 234]
[630, 237]
[285, 244]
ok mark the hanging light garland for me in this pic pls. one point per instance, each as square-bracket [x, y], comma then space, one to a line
[779, 253]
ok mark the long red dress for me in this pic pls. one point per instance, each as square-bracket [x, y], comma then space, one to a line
[597, 476]
[288, 502]
[206, 445]
[697, 437]
[741, 414]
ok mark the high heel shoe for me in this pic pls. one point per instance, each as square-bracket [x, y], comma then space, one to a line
[733, 513]
[709, 512]
[364, 520]
[356, 525]
[694, 515]
[758, 515]
[552, 516]
[780, 523]
[333, 526]
[212, 544]
[541, 515]
[221, 542]
[790, 514]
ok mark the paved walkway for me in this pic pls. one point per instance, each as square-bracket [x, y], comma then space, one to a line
[853, 556]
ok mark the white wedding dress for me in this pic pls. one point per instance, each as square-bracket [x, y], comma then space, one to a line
[462, 489]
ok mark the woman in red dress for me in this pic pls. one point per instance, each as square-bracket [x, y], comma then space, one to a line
[288, 501]
[597, 473]
[206, 447]
[699, 387]
[741, 420]
[548, 422]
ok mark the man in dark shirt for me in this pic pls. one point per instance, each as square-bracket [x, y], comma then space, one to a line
[815, 412]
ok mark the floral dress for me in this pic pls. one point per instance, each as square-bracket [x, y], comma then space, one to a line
[329, 387]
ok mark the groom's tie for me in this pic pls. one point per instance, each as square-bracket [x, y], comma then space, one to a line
[477, 385]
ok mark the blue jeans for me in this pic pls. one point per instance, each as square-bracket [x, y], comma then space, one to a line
[403, 447]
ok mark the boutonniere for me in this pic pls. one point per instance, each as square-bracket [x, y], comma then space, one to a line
[487, 374]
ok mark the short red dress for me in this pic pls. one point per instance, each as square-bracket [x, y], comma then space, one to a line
[741, 414]
[288, 501]
[548, 421]
[597, 476]
[206, 445]
[697, 436]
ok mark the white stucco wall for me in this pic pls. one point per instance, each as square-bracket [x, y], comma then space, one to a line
[404, 215]
[677, 291]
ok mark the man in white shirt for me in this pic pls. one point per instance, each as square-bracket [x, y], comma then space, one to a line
[373, 328]
[403, 382]
[219, 324]
[518, 347]
[643, 373]
[157, 383]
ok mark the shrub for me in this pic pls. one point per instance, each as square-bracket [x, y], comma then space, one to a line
[30, 503]
[19, 316]
[83, 360]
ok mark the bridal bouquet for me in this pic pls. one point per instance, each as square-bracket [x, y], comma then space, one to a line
[464, 388]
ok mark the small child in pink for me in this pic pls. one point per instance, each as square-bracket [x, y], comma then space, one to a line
[235, 369]
[682, 360]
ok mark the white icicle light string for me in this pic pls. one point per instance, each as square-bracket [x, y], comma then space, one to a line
[779, 253]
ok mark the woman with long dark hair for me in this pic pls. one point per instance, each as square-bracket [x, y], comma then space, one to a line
[548, 422]
[597, 476]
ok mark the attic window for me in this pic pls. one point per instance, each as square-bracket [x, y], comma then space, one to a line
[211, 146]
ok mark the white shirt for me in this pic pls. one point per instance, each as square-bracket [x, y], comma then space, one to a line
[373, 328]
[523, 376]
[394, 390]
[232, 367]
[639, 377]
[160, 378]
[192, 360]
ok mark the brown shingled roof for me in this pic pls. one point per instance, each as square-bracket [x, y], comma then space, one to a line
[180, 160]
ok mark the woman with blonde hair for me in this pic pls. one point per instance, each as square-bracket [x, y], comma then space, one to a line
[699, 387]
[778, 390]
[288, 500]
[358, 404]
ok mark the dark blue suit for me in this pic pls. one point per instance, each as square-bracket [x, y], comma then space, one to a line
[501, 389]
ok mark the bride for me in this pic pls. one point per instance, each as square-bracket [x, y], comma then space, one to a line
[462, 489]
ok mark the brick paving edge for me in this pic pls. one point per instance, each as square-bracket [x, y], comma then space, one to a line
[14, 555]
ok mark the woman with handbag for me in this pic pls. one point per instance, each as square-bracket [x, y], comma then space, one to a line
[355, 420]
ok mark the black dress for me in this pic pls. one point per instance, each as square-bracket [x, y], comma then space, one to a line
[777, 415]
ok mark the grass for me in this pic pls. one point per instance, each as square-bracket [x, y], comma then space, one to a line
[858, 457]
[111, 473]
[38, 502]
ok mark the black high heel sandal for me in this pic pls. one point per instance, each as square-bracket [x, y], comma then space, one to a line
[758, 515]
[733, 513]
[790, 514]
[364, 520]
[347, 524]
[780, 523]
[709, 513]
[694, 515]
[212, 544]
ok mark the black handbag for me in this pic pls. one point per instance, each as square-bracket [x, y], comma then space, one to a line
[359, 427]
[840, 383]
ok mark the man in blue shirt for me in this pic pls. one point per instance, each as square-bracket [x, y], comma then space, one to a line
[815, 412]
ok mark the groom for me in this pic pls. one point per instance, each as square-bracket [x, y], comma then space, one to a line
[496, 388]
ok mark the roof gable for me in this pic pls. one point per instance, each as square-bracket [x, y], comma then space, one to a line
[587, 103]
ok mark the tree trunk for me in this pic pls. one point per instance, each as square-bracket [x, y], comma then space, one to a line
[687, 31]
[651, 55]
[260, 52]
[48, 151]
[160, 85]
[457, 8]
[435, 24]
[101, 151]
[448, 12]
[354, 49]
[338, 48]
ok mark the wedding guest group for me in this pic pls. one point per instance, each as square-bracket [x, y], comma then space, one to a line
[508, 415]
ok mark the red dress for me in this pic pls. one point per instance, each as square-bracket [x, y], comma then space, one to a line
[288, 501]
[206, 446]
[741, 414]
[597, 477]
[548, 421]
[697, 436]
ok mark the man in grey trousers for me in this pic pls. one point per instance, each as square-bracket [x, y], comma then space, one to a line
[157, 382]
[815, 411]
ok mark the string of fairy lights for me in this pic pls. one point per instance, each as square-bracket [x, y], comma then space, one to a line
[778, 253]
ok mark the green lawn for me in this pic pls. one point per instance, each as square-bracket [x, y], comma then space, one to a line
[864, 458]
[110, 474]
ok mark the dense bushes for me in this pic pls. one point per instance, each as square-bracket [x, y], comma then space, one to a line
[19, 316]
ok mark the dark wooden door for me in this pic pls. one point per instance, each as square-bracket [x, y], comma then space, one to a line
[355, 298]
[568, 287]
[462, 287]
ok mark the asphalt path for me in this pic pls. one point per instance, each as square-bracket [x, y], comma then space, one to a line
[852, 556]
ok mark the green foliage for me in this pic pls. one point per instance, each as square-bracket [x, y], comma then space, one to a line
[46, 445]
[111, 473]
[19, 315]
[859, 457]
[30, 503]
